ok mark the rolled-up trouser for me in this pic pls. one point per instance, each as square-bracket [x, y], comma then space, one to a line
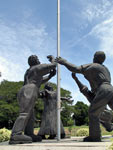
[26, 97]
[103, 97]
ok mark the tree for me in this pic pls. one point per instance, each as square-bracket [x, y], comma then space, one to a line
[8, 102]
[81, 113]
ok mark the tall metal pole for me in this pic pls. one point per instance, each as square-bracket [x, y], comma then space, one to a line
[58, 71]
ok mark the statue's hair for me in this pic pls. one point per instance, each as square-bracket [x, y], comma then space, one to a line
[32, 60]
[100, 56]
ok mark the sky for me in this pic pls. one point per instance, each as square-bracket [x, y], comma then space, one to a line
[29, 27]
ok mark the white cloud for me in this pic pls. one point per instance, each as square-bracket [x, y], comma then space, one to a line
[18, 42]
[77, 96]
[96, 10]
[104, 33]
[10, 70]
[100, 15]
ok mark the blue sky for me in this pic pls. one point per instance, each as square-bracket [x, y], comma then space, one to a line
[30, 27]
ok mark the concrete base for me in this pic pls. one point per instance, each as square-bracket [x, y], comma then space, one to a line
[73, 143]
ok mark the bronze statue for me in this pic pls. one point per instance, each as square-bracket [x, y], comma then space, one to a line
[29, 130]
[99, 78]
[49, 115]
[106, 116]
[27, 96]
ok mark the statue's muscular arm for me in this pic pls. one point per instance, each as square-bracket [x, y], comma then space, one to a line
[69, 66]
[46, 78]
[44, 69]
[83, 89]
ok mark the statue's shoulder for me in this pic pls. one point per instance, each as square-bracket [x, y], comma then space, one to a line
[97, 65]
[94, 65]
[91, 67]
[36, 67]
[86, 66]
[41, 66]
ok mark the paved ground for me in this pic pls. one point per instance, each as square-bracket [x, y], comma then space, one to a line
[73, 143]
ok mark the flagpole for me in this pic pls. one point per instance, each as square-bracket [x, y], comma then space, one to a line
[58, 71]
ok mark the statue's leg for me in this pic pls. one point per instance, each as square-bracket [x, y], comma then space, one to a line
[98, 104]
[94, 125]
[62, 131]
[109, 122]
[106, 116]
[17, 137]
[106, 120]
[26, 97]
[29, 129]
[19, 124]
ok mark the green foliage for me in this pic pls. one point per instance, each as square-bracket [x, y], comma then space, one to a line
[81, 113]
[4, 134]
[70, 122]
[8, 102]
[82, 132]
[66, 112]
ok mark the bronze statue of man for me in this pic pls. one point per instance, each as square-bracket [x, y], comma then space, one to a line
[29, 130]
[106, 116]
[27, 96]
[99, 78]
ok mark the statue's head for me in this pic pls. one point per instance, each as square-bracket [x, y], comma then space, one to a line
[99, 57]
[48, 87]
[33, 60]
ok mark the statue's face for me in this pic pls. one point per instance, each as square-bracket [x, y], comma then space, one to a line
[38, 62]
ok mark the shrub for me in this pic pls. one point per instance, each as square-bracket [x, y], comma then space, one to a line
[82, 132]
[70, 122]
[4, 134]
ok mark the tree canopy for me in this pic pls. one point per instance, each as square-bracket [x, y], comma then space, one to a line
[80, 113]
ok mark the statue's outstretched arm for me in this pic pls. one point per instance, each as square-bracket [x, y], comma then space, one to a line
[69, 66]
[46, 68]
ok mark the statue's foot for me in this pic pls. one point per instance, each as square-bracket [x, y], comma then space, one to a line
[107, 126]
[91, 139]
[36, 138]
[20, 139]
[109, 129]
[52, 137]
